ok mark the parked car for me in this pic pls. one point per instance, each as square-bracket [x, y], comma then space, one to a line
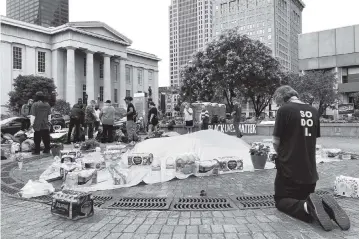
[57, 119]
[14, 124]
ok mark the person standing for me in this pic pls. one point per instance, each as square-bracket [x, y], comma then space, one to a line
[204, 118]
[237, 115]
[76, 117]
[296, 130]
[107, 117]
[98, 121]
[40, 113]
[90, 119]
[188, 118]
[26, 112]
[131, 120]
[152, 119]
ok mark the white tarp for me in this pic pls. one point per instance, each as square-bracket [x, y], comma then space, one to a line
[175, 157]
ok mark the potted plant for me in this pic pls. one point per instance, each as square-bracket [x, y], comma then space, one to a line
[19, 157]
[259, 155]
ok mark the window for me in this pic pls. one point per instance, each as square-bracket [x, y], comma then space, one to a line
[139, 76]
[101, 69]
[150, 75]
[116, 72]
[101, 93]
[269, 37]
[41, 61]
[17, 58]
[83, 87]
[269, 29]
[128, 93]
[85, 66]
[115, 95]
[128, 75]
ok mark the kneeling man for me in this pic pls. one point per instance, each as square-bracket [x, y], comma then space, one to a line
[295, 135]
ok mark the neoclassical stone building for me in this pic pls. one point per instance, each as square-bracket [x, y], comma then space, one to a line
[83, 58]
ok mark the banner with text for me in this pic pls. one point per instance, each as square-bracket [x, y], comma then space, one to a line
[246, 129]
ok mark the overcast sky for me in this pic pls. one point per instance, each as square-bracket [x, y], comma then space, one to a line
[145, 22]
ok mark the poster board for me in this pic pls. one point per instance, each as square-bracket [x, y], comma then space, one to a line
[140, 103]
[246, 129]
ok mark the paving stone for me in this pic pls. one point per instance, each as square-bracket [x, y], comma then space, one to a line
[272, 235]
[218, 236]
[179, 230]
[149, 221]
[167, 229]
[143, 229]
[217, 229]
[184, 221]
[131, 228]
[155, 229]
[152, 236]
[254, 227]
[178, 236]
[266, 227]
[192, 229]
[172, 222]
[204, 229]
[117, 220]
[67, 234]
[119, 228]
[114, 235]
[127, 236]
[195, 221]
[244, 236]
[231, 236]
[195, 214]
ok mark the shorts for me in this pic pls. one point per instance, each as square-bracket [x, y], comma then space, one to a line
[189, 123]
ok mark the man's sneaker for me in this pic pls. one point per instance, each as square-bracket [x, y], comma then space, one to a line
[316, 210]
[335, 212]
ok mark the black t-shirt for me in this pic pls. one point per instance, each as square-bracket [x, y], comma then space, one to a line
[154, 119]
[298, 127]
[131, 115]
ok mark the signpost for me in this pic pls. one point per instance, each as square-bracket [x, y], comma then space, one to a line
[246, 129]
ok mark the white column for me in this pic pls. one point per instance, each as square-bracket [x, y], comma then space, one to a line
[122, 93]
[134, 80]
[55, 74]
[155, 88]
[107, 89]
[70, 76]
[145, 80]
[90, 80]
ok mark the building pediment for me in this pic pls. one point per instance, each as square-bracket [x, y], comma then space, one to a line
[100, 29]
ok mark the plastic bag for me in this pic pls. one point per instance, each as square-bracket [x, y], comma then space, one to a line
[36, 189]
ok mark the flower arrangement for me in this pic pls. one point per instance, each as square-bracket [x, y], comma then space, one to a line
[258, 148]
[19, 157]
[89, 144]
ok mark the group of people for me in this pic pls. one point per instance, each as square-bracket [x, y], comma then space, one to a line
[205, 118]
[90, 118]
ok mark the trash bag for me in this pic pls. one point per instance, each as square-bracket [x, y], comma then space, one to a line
[36, 189]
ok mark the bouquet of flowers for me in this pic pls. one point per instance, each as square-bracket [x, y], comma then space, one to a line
[89, 145]
[258, 148]
[19, 157]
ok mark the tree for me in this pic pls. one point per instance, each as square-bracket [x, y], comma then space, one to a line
[316, 88]
[232, 66]
[356, 99]
[25, 88]
[62, 107]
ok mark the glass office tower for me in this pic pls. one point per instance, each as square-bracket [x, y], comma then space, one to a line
[47, 13]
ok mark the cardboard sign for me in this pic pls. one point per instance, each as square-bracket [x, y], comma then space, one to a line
[246, 129]
[346, 108]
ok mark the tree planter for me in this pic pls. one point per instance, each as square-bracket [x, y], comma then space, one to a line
[259, 161]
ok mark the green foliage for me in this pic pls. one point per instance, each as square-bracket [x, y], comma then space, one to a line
[232, 66]
[62, 107]
[25, 88]
[316, 88]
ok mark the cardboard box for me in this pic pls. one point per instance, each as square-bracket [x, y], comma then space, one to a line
[346, 187]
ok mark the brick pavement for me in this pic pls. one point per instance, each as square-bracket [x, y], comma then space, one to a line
[22, 219]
